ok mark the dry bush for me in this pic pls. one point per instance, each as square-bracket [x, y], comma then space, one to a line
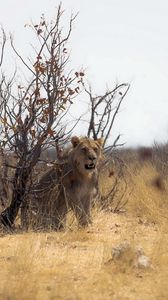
[113, 184]
[159, 158]
[33, 110]
[135, 183]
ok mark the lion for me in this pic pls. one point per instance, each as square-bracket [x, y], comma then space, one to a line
[71, 184]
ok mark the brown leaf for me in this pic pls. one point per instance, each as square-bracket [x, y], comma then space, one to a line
[71, 92]
[64, 100]
[61, 93]
[39, 31]
[50, 132]
[32, 132]
[62, 106]
[40, 67]
[3, 120]
[41, 101]
[20, 87]
[37, 92]
[77, 89]
[19, 120]
[43, 119]
[14, 128]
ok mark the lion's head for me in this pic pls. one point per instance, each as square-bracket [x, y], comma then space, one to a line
[86, 154]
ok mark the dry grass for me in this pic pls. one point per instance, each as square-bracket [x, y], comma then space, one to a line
[77, 264]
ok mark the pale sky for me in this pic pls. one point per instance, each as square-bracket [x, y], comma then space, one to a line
[113, 40]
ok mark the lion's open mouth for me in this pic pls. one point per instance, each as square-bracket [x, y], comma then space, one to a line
[90, 166]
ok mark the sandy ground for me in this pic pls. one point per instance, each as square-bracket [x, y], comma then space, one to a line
[78, 264]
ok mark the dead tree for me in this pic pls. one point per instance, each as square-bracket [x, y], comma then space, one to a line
[32, 112]
[103, 114]
[104, 110]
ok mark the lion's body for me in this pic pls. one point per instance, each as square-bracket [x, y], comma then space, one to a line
[68, 185]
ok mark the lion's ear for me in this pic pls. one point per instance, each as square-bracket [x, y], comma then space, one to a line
[75, 141]
[100, 142]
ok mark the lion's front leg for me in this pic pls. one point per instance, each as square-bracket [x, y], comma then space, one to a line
[58, 219]
[81, 209]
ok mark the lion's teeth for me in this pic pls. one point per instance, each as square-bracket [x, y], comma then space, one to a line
[90, 166]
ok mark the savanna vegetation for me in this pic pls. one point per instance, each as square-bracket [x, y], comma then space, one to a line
[123, 253]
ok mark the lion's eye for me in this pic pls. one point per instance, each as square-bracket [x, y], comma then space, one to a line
[95, 149]
[83, 149]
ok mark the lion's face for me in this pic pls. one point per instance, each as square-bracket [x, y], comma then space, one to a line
[86, 154]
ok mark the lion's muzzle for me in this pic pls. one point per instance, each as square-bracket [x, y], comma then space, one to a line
[90, 166]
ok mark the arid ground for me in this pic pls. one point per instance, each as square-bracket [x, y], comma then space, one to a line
[80, 263]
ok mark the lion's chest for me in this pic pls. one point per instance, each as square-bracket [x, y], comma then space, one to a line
[79, 189]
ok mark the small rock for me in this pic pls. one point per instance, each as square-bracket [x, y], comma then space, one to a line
[143, 261]
[132, 256]
[118, 251]
[140, 221]
[139, 250]
[117, 225]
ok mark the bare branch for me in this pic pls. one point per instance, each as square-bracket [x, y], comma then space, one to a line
[103, 111]
[2, 46]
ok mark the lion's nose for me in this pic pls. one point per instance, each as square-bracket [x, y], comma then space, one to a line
[92, 157]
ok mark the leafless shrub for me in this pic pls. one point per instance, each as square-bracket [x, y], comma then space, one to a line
[114, 185]
[103, 114]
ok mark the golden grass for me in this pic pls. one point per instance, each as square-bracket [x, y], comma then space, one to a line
[77, 264]
[148, 200]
